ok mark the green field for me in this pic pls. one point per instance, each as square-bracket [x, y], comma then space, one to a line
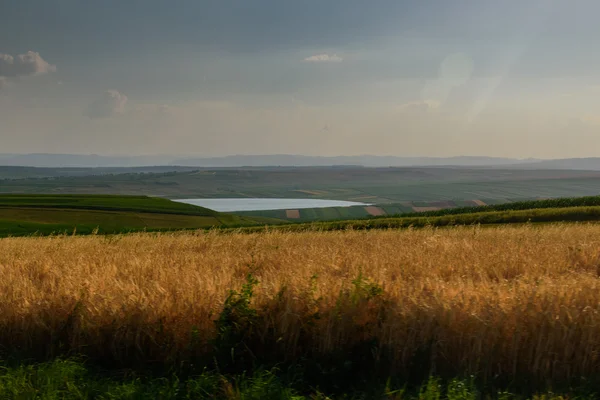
[312, 214]
[408, 209]
[565, 202]
[355, 212]
[539, 211]
[46, 214]
[568, 214]
[143, 204]
[367, 185]
[85, 214]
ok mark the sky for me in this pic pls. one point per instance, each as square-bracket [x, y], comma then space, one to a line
[316, 77]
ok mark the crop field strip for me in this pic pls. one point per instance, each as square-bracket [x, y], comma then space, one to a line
[432, 209]
[448, 301]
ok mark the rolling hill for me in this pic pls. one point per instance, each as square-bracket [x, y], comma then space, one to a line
[47, 214]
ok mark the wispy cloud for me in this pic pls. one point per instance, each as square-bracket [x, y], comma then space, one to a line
[149, 109]
[593, 119]
[419, 106]
[108, 104]
[324, 58]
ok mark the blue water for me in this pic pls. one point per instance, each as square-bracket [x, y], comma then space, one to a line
[251, 204]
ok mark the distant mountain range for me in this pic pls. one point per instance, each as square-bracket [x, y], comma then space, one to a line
[81, 160]
[589, 163]
[284, 160]
[363, 160]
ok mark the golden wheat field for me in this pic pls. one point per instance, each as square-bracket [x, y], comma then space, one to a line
[506, 301]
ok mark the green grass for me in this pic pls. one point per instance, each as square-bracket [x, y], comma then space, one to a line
[68, 379]
[105, 202]
[85, 214]
[72, 379]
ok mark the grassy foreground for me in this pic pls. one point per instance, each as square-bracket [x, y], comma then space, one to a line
[341, 312]
[70, 379]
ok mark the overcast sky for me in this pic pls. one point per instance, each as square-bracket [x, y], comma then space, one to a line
[317, 77]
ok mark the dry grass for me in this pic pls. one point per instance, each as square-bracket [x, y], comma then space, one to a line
[498, 302]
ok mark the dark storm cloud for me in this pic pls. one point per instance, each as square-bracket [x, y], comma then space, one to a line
[229, 25]
[239, 25]
[73, 31]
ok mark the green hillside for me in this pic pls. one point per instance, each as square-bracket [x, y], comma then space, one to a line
[422, 209]
[540, 215]
[84, 214]
[564, 202]
[104, 202]
[578, 209]
[47, 214]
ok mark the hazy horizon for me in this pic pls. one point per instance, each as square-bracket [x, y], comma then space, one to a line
[316, 78]
[224, 155]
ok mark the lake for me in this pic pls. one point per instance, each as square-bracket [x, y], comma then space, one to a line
[254, 204]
